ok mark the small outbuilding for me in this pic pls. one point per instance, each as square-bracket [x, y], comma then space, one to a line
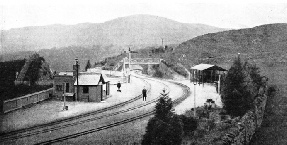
[92, 87]
[64, 84]
[206, 73]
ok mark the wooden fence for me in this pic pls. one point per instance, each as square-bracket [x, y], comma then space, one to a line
[17, 103]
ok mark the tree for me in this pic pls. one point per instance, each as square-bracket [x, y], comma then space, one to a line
[163, 108]
[165, 128]
[238, 90]
[32, 73]
[88, 65]
[254, 72]
[189, 124]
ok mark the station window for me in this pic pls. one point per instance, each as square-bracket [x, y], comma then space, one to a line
[85, 89]
[59, 88]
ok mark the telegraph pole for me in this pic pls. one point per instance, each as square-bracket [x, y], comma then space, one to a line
[194, 86]
[77, 69]
[129, 73]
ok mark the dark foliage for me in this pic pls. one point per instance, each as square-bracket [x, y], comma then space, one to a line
[8, 72]
[189, 124]
[163, 108]
[164, 128]
[32, 73]
[180, 70]
[254, 72]
[240, 87]
[158, 73]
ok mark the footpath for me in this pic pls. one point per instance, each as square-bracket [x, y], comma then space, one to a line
[49, 111]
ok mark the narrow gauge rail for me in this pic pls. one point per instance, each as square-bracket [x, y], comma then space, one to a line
[27, 134]
[17, 133]
[128, 120]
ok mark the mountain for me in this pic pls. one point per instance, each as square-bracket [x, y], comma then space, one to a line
[251, 43]
[62, 59]
[263, 45]
[130, 30]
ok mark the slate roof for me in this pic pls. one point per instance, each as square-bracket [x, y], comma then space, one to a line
[207, 67]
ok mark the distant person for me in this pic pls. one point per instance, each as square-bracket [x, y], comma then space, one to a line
[144, 94]
[119, 87]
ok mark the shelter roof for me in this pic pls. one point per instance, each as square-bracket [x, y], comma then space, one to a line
[207, 67]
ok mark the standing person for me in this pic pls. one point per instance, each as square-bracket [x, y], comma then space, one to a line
[144, 94]
[119, 87]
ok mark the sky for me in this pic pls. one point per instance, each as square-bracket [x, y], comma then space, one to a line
[219, 13]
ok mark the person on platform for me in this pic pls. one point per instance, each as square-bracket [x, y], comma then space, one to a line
[144, 94]
[119, 87]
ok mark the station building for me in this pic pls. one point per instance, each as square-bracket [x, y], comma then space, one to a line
[92, 87]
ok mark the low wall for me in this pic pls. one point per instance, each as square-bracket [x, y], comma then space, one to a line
[248, 123]
[17, 103]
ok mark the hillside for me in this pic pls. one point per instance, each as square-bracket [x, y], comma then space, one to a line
[263, 45]
[62, 59]
[140, 30]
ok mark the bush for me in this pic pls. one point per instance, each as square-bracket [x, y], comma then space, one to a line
[158, 74]
[189, 124]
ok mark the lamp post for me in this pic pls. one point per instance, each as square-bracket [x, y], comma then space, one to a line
[77, 69]
[193, 72]
[64, 90]
[194, 113]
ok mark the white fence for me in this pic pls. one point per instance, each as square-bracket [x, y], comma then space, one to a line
[16, 103]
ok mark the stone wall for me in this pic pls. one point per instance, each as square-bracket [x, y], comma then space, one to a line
[248, 124]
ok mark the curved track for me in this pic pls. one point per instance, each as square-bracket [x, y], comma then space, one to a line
[27, 131]
[39, 129]
[185, 94]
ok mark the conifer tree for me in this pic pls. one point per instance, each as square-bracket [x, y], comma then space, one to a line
[165, 128]
[238, 90]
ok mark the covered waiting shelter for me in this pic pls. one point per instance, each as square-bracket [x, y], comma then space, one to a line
[206, 73]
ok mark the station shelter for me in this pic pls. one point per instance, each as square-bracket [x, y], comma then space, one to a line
[92, 87]
[206, 73]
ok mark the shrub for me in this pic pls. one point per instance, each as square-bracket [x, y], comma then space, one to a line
[189, 124]
[158, 74]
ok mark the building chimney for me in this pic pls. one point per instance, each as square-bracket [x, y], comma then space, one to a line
[75, 67]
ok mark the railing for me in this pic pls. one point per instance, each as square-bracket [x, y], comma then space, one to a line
[17, 103]
[144, 61]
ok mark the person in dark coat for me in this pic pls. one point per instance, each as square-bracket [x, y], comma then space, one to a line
[144, 94]
[119, 86]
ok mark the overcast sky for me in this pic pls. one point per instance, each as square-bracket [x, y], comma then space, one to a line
[238, 14]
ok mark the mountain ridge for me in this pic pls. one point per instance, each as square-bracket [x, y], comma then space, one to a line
[123, 31]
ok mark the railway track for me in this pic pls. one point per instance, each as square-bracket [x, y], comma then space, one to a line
[18, 133]
[186, 93]
[38, 130]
